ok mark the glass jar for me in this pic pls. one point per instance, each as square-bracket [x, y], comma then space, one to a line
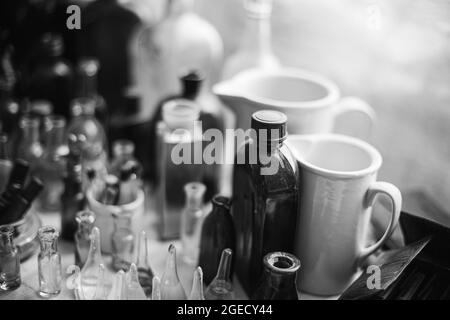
[49, 262]
[9, 260]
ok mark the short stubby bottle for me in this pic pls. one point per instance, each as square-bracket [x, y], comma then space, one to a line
[49, 262]
[9, 260]
[265, 201]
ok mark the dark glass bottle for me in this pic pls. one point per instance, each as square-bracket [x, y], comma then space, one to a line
[264, 196]
[278, 281]
[72, 200]
[217, 235]
[87, 74]
[9, 260]
[52, 77]
[5, 162]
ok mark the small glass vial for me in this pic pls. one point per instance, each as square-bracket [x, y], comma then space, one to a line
[122, 242]
[221, 288]
[49, 262]
[191, 221]
[85, 220]
[9, 260]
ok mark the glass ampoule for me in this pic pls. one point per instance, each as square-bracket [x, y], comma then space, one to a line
[145, 271]
[221, 288]
[101, 292]
[171, 288]
[9, 260]
[156, 288]
[191, 221]
[197, 285]
[89, 272]
[255, 49]
[49, 262]
[73, 281]
[118, 290]
[85, 220]
[122, 242]
[134, 289]
[51, 165]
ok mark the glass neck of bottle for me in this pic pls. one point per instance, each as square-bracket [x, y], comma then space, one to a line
[88, 86]
[122, 222]
[55, 137]
[6, 242]
[178, 7]
[49, 247]
[257, 36]
[279, 280]
[85, 228]
[30, 131]
[223, 272]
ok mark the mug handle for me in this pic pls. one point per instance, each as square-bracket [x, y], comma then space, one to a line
[394, 194]
[356, 105]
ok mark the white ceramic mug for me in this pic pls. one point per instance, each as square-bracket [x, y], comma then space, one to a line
[338, 186]
[311, 102]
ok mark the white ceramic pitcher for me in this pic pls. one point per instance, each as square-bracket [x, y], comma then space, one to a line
[311, 102]
[338, 187]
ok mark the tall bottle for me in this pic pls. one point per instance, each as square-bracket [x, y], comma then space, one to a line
[51, 165]
[49, 262]
[52, 76]
[178, 130]
[122, 242]
[29, 147]
[264, 196]
[89, 133]
[144, 269]
[90, 274]
[278, 281]
[217, 234]
[85, 220]
[72, 200]
[255, 50]
[181, 41]
[5, 162]
[221, 288]
[9, 260]
[171, 288]
[87, 75]
[191, 221]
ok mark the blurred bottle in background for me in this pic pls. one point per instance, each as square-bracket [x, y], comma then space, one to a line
[123, 151]
[5, 162]
[181, 41]
[255, 49]
[41, 109]
[51, 76]
[51, 166]
[29, 147]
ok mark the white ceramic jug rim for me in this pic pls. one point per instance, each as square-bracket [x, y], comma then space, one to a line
[375, 156]
[127, 207]
[332, 96]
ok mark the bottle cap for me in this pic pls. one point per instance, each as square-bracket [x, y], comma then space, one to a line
[270, 120]
[192, 82]
[19, 172]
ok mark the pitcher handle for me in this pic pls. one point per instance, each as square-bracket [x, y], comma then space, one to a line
[394, 194]
[356, 105]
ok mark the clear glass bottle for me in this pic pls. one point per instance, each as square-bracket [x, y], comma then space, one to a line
[51, 165]
[72, 200]
[143, 264]
[29, 147]
[217, 234]
[171, 288]
[191, 221]
[264, 196]
[177, 131]
[255, 50]
[87, 74]
[278, 281]
[9, 260]
[181, 41]
[5, 162]
[221, 288]
[85, 220]
[122, 242]
[90, 275]
[52, 76]
[49, 262]
[89, 134]
[134, 289]
[197, 285]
